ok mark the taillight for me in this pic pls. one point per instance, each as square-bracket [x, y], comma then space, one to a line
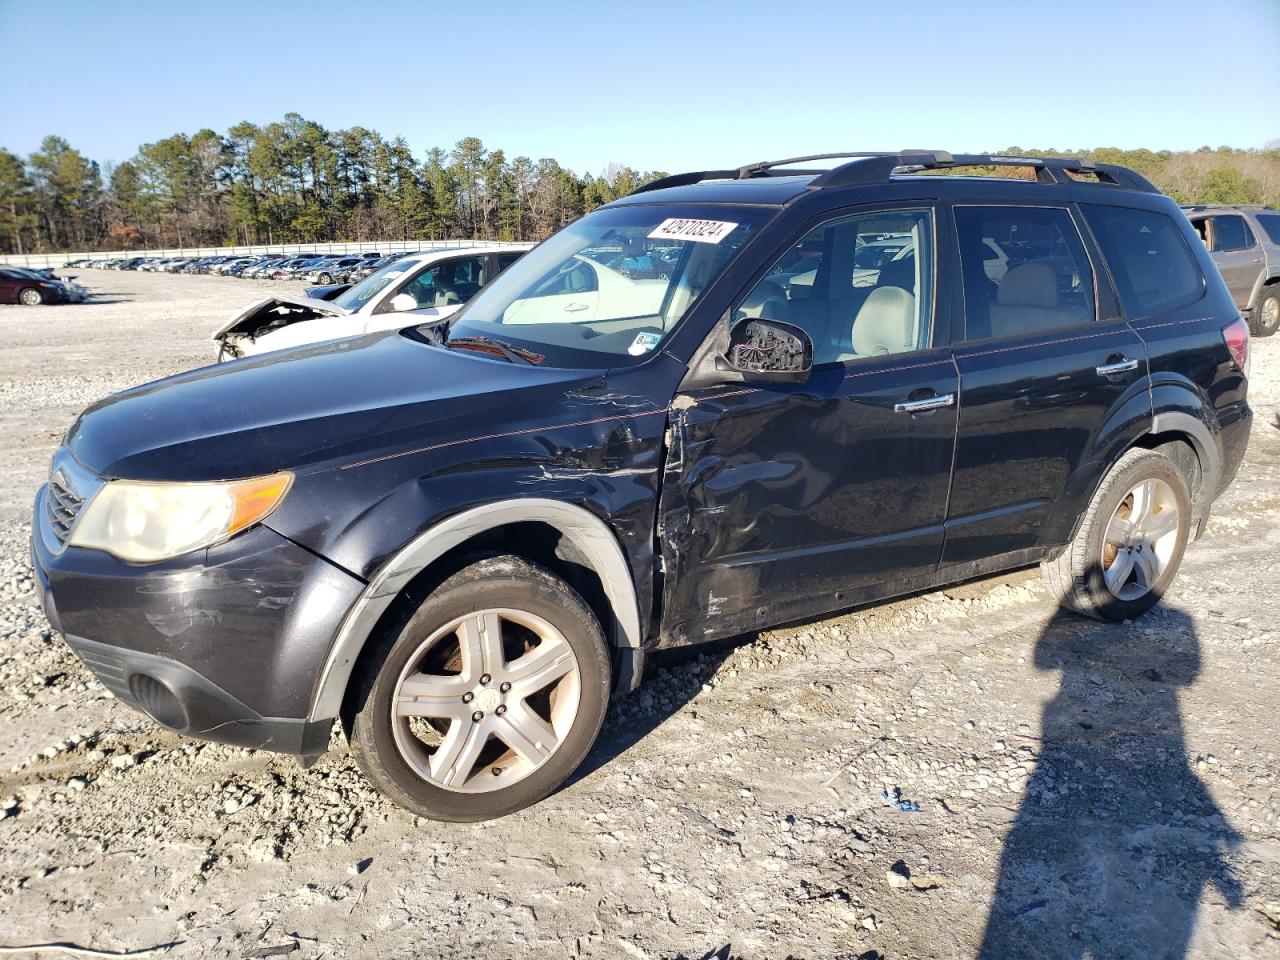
[1236, 334]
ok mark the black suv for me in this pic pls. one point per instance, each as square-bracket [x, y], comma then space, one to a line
[732, 399]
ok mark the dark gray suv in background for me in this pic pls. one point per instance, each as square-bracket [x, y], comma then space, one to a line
[1244, 242]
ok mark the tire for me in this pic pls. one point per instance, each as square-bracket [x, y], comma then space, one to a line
[1265, 319]
[31, 297]
[324, 278]
[1141, 482]
[456, 758]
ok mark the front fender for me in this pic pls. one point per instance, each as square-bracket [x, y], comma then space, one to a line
[588, 533]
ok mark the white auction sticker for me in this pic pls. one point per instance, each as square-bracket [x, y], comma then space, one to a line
[699, 231]
[643, 343]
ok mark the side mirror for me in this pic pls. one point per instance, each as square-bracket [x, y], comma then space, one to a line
[768, 351]
[403, 301]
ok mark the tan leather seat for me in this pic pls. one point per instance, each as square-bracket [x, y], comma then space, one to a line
[886, 323]
[767, 301]
[1027, 302]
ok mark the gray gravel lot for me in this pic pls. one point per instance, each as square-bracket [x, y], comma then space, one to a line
[1085, 789]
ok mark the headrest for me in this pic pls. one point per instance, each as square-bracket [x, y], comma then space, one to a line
[898, 273]
[766, 302]
[1033, 284]
[885, 323]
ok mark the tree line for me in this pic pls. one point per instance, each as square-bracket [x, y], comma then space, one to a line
[294, 181]
[288, 182]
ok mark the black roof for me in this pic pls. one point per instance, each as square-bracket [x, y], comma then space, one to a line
[769, 183]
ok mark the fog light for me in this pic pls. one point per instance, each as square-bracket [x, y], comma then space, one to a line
[158, 702]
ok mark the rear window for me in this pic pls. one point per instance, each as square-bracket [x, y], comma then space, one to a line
[1153, 267]
[1270, 222]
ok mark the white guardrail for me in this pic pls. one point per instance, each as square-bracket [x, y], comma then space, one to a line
[39, 260]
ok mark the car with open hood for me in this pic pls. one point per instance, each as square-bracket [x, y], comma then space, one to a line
[459, 539]
[418, 288]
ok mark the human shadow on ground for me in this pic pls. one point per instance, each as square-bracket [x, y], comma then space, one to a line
[1117, 838]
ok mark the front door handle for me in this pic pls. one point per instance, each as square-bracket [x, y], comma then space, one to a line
[1120, 366]
[576, 307]
[925, 404]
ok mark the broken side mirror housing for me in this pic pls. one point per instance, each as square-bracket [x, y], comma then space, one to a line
[402, 302]
[768, 351]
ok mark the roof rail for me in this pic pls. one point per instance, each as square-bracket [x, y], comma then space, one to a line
[866, 168]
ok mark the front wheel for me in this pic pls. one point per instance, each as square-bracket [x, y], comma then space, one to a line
[1130, 542]
[1266, 315]
[325, 278]
[31, 297]
[487, 698]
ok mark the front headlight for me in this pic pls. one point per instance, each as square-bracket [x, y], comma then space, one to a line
[144, 522]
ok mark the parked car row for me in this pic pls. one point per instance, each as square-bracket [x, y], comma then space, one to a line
[313, 267]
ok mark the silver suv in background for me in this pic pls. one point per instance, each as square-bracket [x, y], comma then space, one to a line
[1245, 244]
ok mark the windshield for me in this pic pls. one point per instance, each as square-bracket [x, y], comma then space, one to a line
[608, 289]
[355, 297]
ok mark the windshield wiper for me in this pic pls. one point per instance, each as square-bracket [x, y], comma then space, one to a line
[507, 351]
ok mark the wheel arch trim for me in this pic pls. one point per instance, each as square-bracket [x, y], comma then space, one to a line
[584, 529]
[1206, 448]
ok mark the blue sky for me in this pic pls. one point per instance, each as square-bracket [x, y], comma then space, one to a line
[664, 85]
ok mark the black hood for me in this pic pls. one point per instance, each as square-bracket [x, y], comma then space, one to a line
[286, 410]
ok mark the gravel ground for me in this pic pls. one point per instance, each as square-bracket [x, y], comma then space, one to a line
[1084, 790]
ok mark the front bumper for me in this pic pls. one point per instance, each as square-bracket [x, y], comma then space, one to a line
[225, 644]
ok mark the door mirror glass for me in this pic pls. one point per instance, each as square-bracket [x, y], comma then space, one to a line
[769, 350]
[403, 301]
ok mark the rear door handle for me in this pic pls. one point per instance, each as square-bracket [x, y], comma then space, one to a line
[925, 403]
[1120, 366]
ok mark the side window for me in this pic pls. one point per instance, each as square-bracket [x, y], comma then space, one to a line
[860, 287]
[423, 288]
[1025, 271]
[1231, 233]
[1270, 223]
[448, 284]
[507, 259]
[1202, 229]
[1151, 262]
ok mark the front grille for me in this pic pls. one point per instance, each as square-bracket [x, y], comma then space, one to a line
[63, 507]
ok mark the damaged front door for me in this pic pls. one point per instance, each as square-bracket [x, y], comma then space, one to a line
[787, 500]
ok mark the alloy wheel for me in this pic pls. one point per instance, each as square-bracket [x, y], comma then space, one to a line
[1140, 540]
[31, 297]
[1270, 313]
[485, 700]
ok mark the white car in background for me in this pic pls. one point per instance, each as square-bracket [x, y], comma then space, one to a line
[578, 291]
[415, 289]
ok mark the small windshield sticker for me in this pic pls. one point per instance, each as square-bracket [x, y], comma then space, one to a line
[699, 231]
[643, 343]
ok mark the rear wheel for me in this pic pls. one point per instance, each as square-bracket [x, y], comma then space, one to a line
[1130, 542]
[31, 297]
[1266, 315]
[487, 698]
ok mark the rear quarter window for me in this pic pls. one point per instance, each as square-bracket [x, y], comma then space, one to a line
[1270, 223]
[1153, 267]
